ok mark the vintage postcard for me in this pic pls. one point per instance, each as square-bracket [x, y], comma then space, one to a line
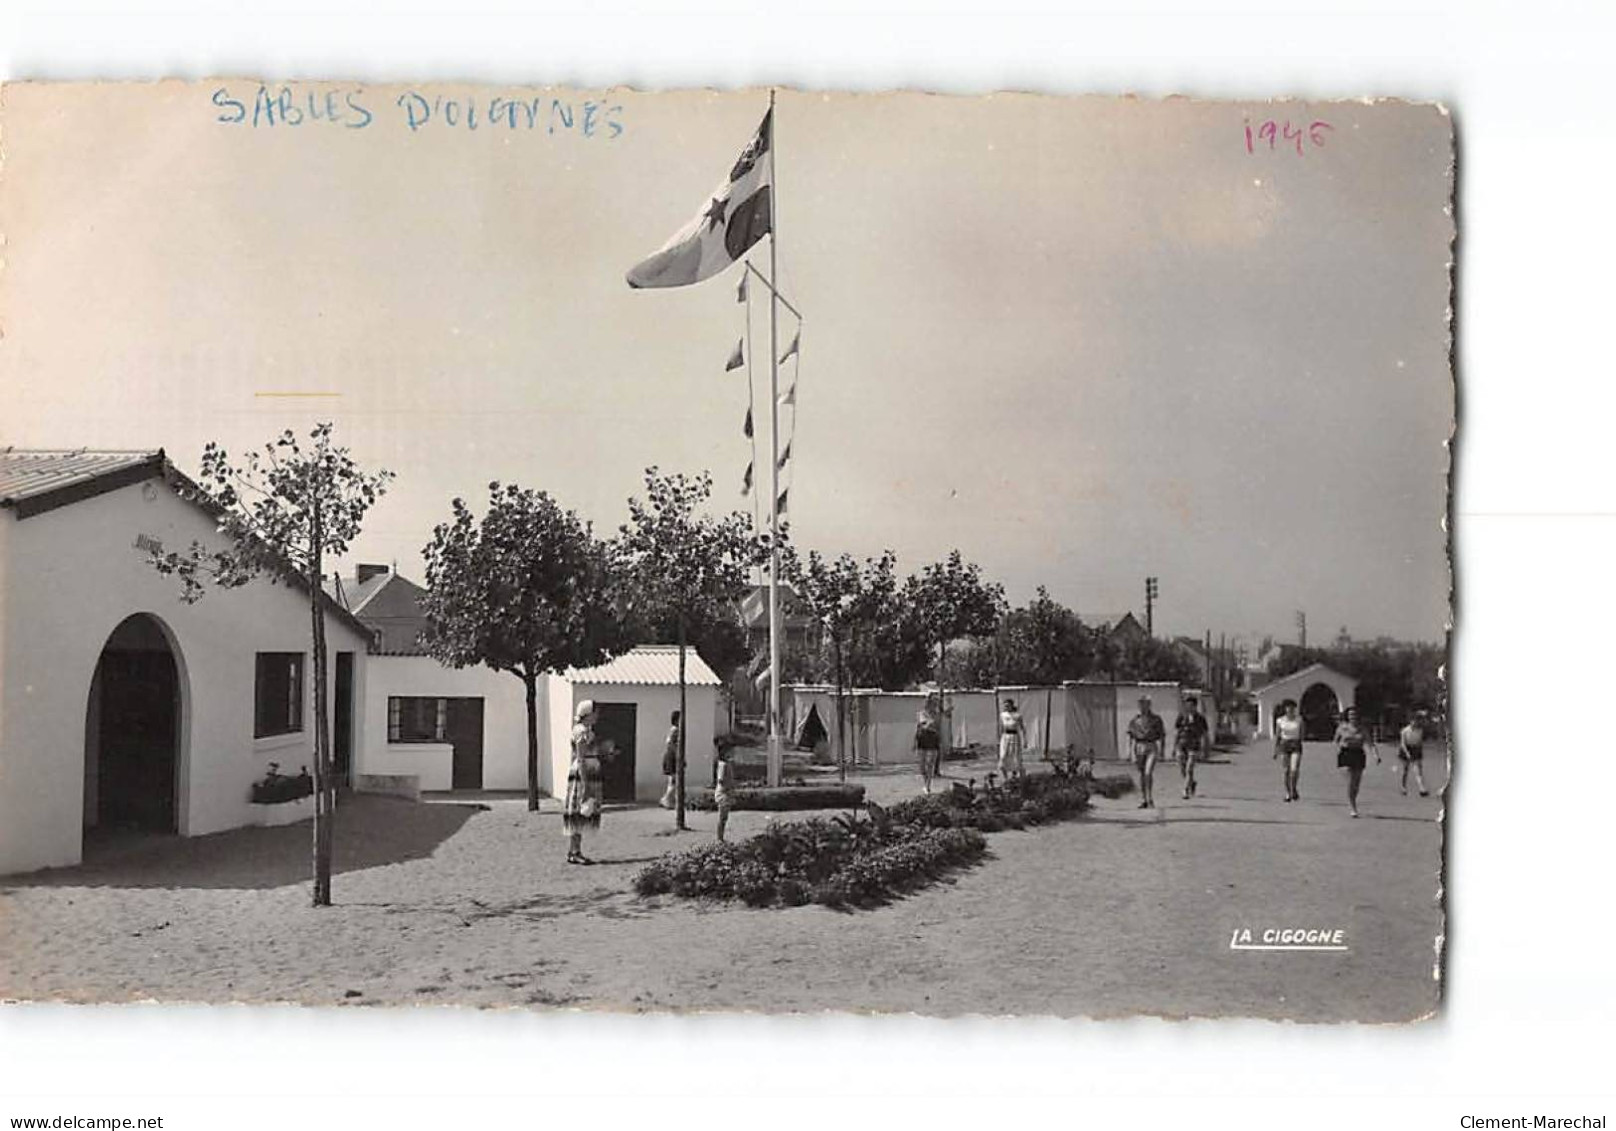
[766, 550]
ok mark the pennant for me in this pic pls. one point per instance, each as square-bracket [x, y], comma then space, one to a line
[748, 428]
[740, 291]
[746, 482]
[784, 456]
[789, 397]
[796, 343]
[736, 357]
[780, 503]
[737, 215]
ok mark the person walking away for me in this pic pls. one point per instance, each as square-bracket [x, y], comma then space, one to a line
[723, 786]
[1012, 739]
[670, 764]
[581, 805]
[929, 739]
[1350, 740]
[1146, 735]
[1189, 742]
[1288, 746]
[1411, 753]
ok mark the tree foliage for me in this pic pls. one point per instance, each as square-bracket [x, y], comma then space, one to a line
[280, 510]
[527, 589]
[950, 601]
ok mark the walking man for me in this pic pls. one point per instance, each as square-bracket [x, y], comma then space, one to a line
[1189, 742]
[1146, 735]
[670, 764]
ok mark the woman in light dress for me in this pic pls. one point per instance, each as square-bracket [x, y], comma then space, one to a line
[1012, 740]
[580, 807]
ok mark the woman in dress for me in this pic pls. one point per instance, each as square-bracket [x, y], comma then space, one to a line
[929, 739]
[1350, 740]
[1012, 738]
[1288, 746]
[580, 808]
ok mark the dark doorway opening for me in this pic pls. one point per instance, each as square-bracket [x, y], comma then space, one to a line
[132, 732]
[1320, 709]
[464, 731]
[342, 719]
[616, 722]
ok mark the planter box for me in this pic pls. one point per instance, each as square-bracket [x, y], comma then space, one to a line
[284, 813]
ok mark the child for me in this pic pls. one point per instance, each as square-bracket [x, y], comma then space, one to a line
[723, 783]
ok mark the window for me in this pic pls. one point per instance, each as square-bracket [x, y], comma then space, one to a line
[278, 694]
[416, 719]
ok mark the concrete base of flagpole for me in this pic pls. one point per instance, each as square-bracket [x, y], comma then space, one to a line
[777, 757]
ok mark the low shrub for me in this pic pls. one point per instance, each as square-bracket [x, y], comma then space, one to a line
[785, 798]
[1112, 786]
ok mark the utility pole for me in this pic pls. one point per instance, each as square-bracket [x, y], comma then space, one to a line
[1301, 626]
[1151, 591]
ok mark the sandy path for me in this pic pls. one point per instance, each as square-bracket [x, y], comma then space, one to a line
[1117, 913]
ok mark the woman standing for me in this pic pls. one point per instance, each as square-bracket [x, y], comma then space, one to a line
[723, 783]
[1288, 746]
[1350, 741]
[580, 808]
[929, 739]
[1012, 738]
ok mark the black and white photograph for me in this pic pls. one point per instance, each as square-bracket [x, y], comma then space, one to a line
[769, 550]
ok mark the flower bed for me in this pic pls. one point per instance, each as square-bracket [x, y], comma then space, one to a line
[780, 799]
[276, 788]
[857, 861]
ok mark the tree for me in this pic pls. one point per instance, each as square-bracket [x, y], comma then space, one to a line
[687, 570]
[527, 590]
[1150, 660]
[282, 509]
[1042, 643]
[831, 593]
[950, 600]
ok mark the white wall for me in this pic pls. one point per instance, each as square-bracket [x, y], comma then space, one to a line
[504, 722]
[654, 704]
[68, 577]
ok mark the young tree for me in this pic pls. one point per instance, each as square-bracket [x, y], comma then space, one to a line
[687, 571]
[1041, 643]
[282, 509]
[831, 592]
[527, 590]
[950, 600]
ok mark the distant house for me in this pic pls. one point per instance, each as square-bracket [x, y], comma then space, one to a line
[1321, 693]
[797, 628]
[1121, 628]
[122, 707]
[1195, 652]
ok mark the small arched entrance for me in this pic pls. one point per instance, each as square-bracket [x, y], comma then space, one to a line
[1320, 709]
[132, 731]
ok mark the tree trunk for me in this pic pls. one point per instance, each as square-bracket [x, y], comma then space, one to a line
[684, 725]
[325, 794]
[530, 683]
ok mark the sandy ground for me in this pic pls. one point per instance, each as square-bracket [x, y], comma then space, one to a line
[1123, 911]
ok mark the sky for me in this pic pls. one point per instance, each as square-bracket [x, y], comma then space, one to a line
[1083, 340]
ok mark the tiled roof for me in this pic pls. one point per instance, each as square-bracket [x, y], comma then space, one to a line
[656, 664]
[30, 479]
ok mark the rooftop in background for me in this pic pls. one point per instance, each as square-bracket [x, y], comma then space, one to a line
[34, 481]
[650, 664]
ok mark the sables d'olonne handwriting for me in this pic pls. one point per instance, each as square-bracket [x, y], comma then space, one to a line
[294, 106]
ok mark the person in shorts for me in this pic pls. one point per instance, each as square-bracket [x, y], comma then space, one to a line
[1189, 742]
[1288, 730]
[1147, 734]
[670, 763]
[1411, 753]
[929, 739]
[1351, 739]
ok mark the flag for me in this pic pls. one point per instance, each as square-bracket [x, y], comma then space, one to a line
[784, 455]
[789, 397]
[796, 341]
[780, 503]
[748, 424]
[746, 482]
[740, 291]
[736, 216]
[736, 357]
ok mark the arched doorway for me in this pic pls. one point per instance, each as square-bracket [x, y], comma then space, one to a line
[132, 731]
[1320, 709]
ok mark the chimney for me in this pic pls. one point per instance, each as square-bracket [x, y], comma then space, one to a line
[364, 573]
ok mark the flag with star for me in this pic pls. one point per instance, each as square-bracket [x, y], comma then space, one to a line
[736, 216]
[737, 357]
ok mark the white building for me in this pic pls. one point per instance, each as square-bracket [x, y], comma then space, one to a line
[120, 705]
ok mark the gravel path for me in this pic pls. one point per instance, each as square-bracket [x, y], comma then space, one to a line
[1124, 911]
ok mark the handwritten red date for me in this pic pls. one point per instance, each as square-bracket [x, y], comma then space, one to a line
[1274, 135]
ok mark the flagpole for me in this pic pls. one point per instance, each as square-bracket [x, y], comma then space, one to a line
[776, 752]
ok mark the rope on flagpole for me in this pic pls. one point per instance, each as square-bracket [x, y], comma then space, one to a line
[751, 406]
